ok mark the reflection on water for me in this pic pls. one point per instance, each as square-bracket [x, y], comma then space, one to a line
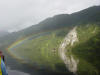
[19, 67]
[15, 72]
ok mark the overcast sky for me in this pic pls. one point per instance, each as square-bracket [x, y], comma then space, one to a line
[18, 14]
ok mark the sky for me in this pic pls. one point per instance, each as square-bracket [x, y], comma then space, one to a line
[18, 14]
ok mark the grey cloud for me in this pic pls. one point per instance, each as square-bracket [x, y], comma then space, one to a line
[18, 14]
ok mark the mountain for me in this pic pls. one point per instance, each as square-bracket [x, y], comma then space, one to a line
[89, 15]
[3, 33]
[41, 43]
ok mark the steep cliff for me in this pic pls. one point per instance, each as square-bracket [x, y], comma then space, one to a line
[70, 62]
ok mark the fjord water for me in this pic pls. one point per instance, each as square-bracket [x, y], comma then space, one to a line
[16, 67]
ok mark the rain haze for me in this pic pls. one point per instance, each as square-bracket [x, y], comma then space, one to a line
[18, 14]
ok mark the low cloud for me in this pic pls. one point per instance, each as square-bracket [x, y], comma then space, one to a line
[18, 14]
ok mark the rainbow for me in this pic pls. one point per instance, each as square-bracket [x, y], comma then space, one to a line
[10, 49]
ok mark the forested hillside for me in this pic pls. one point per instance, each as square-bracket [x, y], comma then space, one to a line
[89, 15]
[38, 45]
[87, 49]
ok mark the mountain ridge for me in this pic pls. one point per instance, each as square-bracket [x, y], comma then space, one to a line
[41, 49]
[57, 22]
[91, 14]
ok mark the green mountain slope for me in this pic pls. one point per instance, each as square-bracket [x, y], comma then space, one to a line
[38, 45]
[87, 49]
[89, 15]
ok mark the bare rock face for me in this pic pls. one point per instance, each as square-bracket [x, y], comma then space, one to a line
[70, 62]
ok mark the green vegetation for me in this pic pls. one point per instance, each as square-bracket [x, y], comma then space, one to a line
[89, 15]
[43, 50]
[87, 50]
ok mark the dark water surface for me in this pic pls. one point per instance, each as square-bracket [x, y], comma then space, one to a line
[15, 67]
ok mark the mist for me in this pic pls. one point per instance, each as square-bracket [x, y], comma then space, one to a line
[18, 14]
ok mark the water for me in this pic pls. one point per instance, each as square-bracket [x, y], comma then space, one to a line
[15, 67]
[15, 72]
